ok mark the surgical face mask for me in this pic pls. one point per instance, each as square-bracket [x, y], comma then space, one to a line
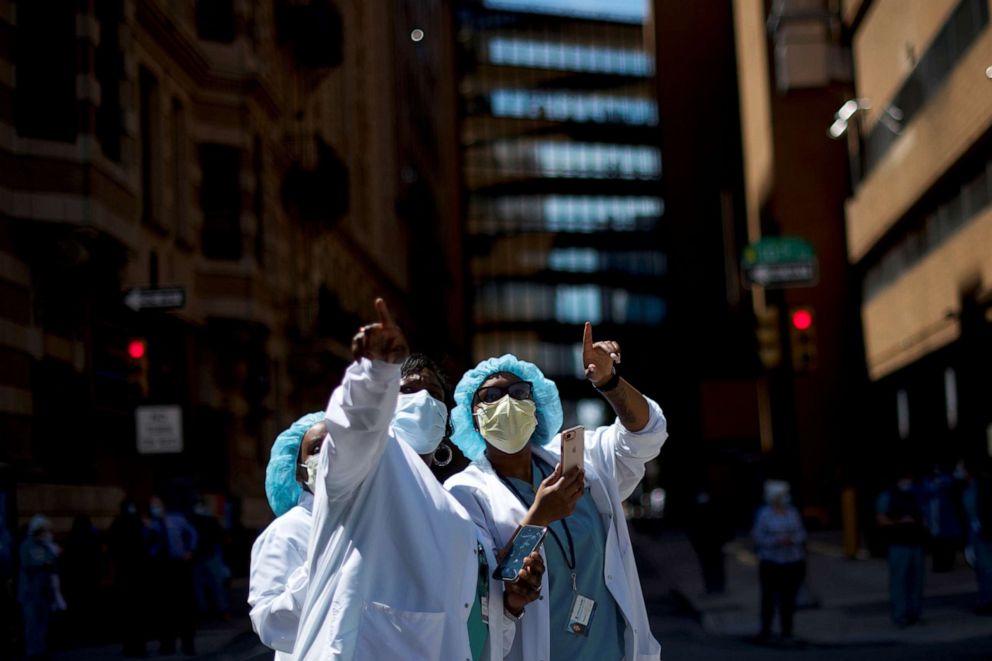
[311, 466]
[507, 424]
[420, 421]
[155, 510]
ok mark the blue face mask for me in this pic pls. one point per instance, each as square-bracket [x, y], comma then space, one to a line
[420, 421]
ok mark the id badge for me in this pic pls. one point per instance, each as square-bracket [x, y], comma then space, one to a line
[580, 615]
[483, 584]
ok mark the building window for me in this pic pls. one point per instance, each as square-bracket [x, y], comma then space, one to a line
[962, 28]
[151, 147]
[109, 67]
[569, 57]
[220, 198]
[215, 20]
[626, 12]
[258, 169]
[564, 213]
[45, 104]
[180, 169]
[965, 197]
[568, 106]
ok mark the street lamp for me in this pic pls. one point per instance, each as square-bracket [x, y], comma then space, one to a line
[844, 115]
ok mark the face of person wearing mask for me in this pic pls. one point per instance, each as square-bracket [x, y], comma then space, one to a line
[421, 414]
[505, 413]
[306, 468]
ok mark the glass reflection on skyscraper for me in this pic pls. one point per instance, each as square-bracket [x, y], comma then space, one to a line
[561, 172]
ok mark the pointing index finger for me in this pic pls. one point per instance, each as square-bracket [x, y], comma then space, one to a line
[385, 318]
[587, 337]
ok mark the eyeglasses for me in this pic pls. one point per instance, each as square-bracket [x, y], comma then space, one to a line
[518, 390]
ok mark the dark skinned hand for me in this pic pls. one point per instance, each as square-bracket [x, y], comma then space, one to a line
[382, 340]
[527, 587]
[556, 497]
[598, 357]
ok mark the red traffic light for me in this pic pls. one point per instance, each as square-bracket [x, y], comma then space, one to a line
[136, 349]
[802, 319]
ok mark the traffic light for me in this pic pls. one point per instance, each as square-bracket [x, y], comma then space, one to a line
[769, 337]
[802, 338]
[137, 374]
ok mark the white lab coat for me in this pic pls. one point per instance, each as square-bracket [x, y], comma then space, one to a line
[614, 465]
[277, 584]
[392, 556]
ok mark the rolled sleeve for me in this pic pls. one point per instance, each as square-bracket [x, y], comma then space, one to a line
[623, 453]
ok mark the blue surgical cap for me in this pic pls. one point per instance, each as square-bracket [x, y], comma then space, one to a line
[546, 399]
[281, 487]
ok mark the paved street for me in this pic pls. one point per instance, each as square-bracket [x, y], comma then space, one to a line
[845, 616]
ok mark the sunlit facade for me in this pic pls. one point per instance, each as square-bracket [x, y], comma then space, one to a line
[562, 173]
[919, 221]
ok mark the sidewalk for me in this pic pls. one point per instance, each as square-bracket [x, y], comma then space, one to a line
[231, 640]
[844, 601]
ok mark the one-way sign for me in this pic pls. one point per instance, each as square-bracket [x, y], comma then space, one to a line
[166, 298]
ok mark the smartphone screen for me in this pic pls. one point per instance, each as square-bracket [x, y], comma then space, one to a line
[573, 448]
[525, 542]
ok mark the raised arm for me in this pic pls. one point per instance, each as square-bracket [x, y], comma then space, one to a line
[623, 448]
[362, 407]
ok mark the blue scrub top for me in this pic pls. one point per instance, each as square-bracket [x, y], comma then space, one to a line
[603, 640]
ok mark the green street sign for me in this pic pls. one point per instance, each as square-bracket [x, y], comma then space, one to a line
[779, 261]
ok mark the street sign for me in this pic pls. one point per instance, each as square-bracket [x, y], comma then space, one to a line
[780, 261]
[159, 429]
[167, 298]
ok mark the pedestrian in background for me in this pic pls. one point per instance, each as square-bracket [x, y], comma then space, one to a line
[708, 531]
[38, 590]
[210, 573]
[978, 506]
[130, 559]
[943, 518]
[173, 541]
[81, 569]
[900, 515]
[780, 541]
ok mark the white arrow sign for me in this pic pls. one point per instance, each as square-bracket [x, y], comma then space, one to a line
[167, 298]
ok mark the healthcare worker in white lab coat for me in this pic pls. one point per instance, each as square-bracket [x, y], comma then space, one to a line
[396, 568]
[506, 421]
[278, 580]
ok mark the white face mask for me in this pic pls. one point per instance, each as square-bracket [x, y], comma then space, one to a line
[420, 421]
[507, 424]
[311, 465]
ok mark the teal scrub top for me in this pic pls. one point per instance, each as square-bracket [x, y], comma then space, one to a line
[478, 630]
[603, 640]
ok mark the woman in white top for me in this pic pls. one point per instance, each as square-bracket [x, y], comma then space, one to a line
[277, 583]
[395, 562]
[506, 421]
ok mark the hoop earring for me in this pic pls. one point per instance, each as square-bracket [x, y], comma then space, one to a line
[447, 460]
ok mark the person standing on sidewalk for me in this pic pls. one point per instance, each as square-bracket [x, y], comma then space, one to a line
[900, 515]
[978, 506]
[780, 541]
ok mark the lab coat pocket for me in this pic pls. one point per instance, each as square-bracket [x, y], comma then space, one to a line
[387, 632]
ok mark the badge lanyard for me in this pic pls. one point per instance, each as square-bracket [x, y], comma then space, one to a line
[582, 606]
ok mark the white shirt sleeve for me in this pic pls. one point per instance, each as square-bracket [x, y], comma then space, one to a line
[622, 453]
[277, 586]
[357, 419]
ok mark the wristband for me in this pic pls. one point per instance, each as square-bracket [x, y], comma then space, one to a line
[613, 382]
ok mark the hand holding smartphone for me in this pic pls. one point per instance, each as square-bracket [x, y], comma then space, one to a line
[573, 448]
[525, 541]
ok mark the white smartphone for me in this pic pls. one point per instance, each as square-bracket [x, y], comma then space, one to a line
[573, 448]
